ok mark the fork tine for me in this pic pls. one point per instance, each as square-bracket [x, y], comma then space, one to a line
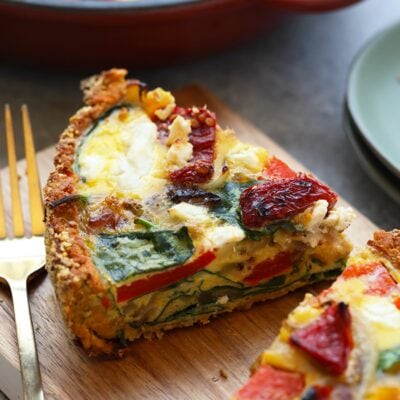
[3, 231]
[35, 197]
[16, 208]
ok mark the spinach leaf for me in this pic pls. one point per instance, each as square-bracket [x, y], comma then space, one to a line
[389, 358]
[123, 256]
[269, 229]
[189, 310]
[333, 273]
[275, 282]
[229, 208]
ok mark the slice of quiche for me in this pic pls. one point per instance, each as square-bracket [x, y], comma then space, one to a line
[344, 343]
[158, 218]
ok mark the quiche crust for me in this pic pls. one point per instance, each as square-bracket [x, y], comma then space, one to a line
[388, 245]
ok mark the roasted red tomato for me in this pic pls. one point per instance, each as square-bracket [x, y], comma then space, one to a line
[328, 339]
[163, 279]
[269, 383]
[280, 199]
[378, 278]
[103, 219]
[269, 268]
[202, 137]
[278, 169]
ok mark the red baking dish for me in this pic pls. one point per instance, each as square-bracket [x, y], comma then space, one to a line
[141, 33]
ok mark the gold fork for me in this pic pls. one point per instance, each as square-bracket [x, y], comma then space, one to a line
[21, 256]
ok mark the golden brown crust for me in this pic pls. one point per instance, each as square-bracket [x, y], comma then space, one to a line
[78, 285]
[387, 244]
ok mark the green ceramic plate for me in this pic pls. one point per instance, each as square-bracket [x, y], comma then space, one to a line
[381, 175]
[373, 96]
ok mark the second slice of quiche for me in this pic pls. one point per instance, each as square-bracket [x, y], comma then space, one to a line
[343, 344]
[159, 218]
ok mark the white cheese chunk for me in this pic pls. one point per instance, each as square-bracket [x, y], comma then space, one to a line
[179, 130]
[190, 214]
[222, 300]
[178, 155]
[340, 218]
[164, 113]
[220, 236]
[202, 226]
[317, 220]
[180, 150]
[246, 160]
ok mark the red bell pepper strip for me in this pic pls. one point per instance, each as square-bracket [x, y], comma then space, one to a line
[280, 199]
[276, 168]
[269, 383]
[328, 339]
[269, 268]
[163, 279]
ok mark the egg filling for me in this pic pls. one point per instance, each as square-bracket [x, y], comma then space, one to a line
[170, 252]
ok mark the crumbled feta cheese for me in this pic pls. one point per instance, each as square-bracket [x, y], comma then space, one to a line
[164, 113]
[339, 218]
[315, 222]
[203, 226]
[222, 299]
[179, 131]
[189, 213]
[246, 160]
[220, 236]
[312, 218]
[178, 155]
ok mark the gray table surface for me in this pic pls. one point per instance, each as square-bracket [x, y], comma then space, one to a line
[290, 83]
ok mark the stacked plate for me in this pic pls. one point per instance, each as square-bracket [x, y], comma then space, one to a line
[372, 109]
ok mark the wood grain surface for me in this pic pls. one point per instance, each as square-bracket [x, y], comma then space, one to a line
[186, 363]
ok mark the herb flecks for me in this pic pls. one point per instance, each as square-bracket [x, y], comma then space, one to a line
[68, 199]
[149, 226]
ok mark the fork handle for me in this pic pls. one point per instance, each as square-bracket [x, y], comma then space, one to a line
[28, 359]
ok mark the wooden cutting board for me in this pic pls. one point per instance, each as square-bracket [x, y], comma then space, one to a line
[185, 363]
